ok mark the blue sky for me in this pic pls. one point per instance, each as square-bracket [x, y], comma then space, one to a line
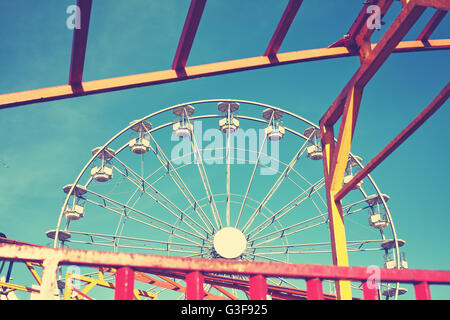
[46, 145]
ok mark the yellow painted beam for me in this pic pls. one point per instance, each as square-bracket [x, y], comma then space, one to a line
[336, 222]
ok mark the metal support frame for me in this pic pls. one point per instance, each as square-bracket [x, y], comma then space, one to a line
[432, 25]
[438, 102]
[10, 100]
[188, 35]
[346, 105]
[283, 27]
[79, 44]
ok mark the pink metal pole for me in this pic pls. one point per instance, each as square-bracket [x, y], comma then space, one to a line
[369, 292]
[422, 290]
[124, 284]
[194, 286]
[314, 289]
[258, 287]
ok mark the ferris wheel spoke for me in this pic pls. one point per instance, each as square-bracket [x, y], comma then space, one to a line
[149, 224]
[204, 177]
[122, 208]
[276, 185]
[141, 247]
[180, 218]
[323, 216]
[287, 234]
[122, 219]
[288, 207]
[110, 238]
[159, 201]
[166, 162]
[251, 179]
[228, 163]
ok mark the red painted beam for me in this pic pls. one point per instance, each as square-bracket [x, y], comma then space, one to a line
[432, 25]
[79, 44]
[359, 27]
[401, 25]
[438, 4]
[283, 27]
[188, 34]
[151, 263]
[124, 289]
[399, 139]
[10, 100]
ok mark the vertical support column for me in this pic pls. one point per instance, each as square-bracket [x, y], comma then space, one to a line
[49, 287]
[335, 158]
[370, 292]
[314, 289]
[336, 223]
[79, 44]
[422, 290]
[194, 286]
[124, 284]
[258, 287]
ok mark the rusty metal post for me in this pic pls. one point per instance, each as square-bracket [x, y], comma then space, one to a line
[49, 287]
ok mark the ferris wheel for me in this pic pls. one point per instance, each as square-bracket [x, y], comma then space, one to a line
[227, 179]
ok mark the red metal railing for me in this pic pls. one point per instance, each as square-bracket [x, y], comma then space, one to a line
[195, 271]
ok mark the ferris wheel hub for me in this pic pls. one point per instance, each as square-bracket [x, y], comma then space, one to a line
[230, 243]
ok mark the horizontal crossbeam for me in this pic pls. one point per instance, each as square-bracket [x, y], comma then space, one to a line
[10, 100]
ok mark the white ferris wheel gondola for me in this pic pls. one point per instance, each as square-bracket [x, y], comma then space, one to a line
[228, 124]
[141, 143]
[377, 212]
[102, 170]
[275, 130]
[314, 151]
[352, 162]
[183, 127]
[75, 211]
